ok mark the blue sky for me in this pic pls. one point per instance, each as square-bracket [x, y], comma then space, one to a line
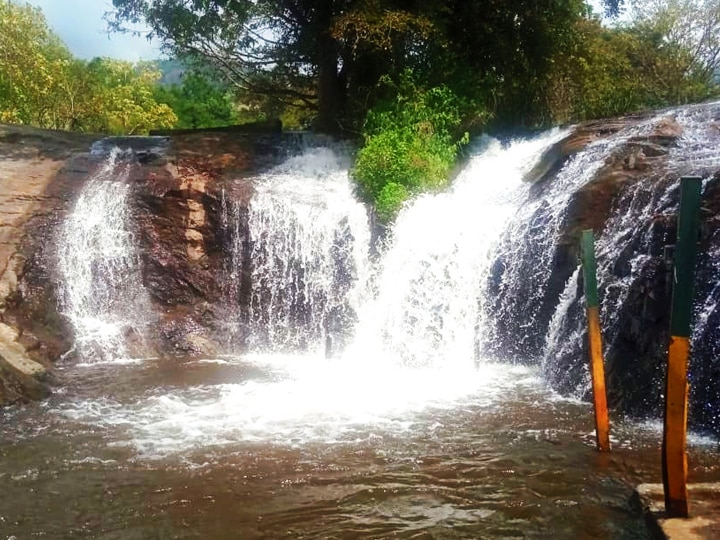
[80, 24]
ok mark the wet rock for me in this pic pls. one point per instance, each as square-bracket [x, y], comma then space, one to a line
[176, 206]
[21, 377]
[39, 173]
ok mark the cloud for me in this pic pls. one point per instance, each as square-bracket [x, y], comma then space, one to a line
[80, 24]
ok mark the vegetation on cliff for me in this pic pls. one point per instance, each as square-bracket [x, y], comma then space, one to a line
[410, 144]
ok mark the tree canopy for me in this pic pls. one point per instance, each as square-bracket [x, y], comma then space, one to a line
[390, 72]
[508, 64]
[42, 84]
[328, 55]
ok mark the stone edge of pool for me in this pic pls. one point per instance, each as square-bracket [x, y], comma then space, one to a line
[704, 520]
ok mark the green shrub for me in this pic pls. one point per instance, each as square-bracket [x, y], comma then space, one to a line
[410, 144]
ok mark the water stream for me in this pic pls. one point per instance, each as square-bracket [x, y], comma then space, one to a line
[101, 290]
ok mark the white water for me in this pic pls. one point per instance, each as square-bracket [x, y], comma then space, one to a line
[414, 320]
[297, 400]
[430, 284]
[101, 290]
[630, 229]
[419, 314]
[310, 258]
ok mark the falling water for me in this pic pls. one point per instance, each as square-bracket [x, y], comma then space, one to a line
[565, 331]
[522, 297]
[428, 309]
[101, 290]
[233, 224]
[310, 241]
[268, 444]
[631, 257]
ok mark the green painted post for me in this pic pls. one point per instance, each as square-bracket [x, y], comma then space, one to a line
[597, 368]
[674, 456]
[685, 255]
[589, 269]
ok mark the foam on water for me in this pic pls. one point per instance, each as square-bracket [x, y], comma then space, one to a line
[299, 399]
[431, 282]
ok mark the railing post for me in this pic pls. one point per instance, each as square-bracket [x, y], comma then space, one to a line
[674, 456]
[597, 369]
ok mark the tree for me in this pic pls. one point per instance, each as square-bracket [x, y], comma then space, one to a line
[687, 32]
[43, 85]
[279, 49]
[32, 61]
[119, 98]
[329, 55]
[198, 102]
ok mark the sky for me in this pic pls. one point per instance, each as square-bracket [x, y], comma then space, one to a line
[80, 24]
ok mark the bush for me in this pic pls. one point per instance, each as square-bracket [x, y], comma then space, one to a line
[410, 144]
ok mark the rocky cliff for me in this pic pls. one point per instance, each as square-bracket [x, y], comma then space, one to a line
[177, 187]
[630, 200]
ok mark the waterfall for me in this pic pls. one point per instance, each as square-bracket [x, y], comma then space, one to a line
[101, 290]
[486, 269]
[430, 295]
[233, 225]
[532, 249]
[567, 328]
[634, 256]
[310, 242]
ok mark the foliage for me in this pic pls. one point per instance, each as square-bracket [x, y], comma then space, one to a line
[42, 84]
[410, 146]
[32, 62]
[198, 102]
[120, 98]
[611, 71]
[276, 50]
[686, 33]
[329, 55]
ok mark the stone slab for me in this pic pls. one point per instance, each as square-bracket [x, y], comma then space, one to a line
[704, 520]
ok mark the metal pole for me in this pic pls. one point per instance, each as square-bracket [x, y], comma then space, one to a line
[597, 368]
[674, 456]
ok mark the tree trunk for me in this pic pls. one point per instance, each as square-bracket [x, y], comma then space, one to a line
[329, 87]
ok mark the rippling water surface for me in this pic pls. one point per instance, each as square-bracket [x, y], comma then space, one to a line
[280, 447]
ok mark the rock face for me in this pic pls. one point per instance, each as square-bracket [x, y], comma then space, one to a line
[183, 241]
[630, 202]
[38, 170]
[176, 207]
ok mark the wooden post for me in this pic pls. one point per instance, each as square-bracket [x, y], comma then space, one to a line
[674, 456]
[597, 369]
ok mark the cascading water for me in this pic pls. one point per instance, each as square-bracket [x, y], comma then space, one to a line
[101, 290]
[428, 310]
[401, 435]
[310, 242]
[523, 299]
[634, 278]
